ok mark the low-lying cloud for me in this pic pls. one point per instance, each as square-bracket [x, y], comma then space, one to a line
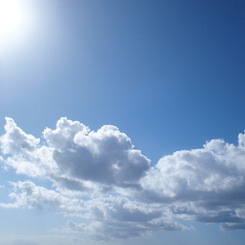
[112, 187]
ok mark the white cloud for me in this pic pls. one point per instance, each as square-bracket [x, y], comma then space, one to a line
[15, 140]
[28, 195]
[241, 139]
[106, 156]
[117, 217]
[101, 178]
[75, 156]
[105, 217]
[203, 184]
[62, 137]
[24, 153]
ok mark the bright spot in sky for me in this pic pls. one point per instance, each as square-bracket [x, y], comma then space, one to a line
[14, 19]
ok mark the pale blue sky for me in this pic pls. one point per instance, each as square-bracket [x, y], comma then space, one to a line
[168, 74]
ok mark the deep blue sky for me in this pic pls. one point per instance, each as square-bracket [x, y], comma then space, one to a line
[170, 74]
[163, 71]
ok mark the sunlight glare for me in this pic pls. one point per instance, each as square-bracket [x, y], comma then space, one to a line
[13, 19]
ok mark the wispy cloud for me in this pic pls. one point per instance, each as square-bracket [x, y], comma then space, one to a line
[100, 177]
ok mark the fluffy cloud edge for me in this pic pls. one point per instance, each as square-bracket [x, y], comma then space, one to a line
[102, 168]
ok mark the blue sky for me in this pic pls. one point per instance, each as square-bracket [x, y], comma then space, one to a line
[168, 79]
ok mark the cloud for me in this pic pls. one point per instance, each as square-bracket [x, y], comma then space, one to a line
[28, 195]
[205, 184]
[106, 156]
[75, 156]
[105, 217]
[24, 153]
[15, 140]
[119, 217]
[101, 178]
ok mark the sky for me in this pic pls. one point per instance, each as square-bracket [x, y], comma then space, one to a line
[122, 122]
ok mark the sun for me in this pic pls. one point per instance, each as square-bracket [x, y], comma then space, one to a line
[13, 18]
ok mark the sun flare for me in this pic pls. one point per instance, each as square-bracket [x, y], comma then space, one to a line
[13, 18]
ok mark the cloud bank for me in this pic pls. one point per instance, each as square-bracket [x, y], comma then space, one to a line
[101, 179]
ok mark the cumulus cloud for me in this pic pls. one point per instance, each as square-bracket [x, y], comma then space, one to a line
[28, 195]
[24, 153]
[74, 155]
[119, 217]
[103, 217]
[203, 184]
[106, 156]
[217, 168]
[15, 140]
[100, 177]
